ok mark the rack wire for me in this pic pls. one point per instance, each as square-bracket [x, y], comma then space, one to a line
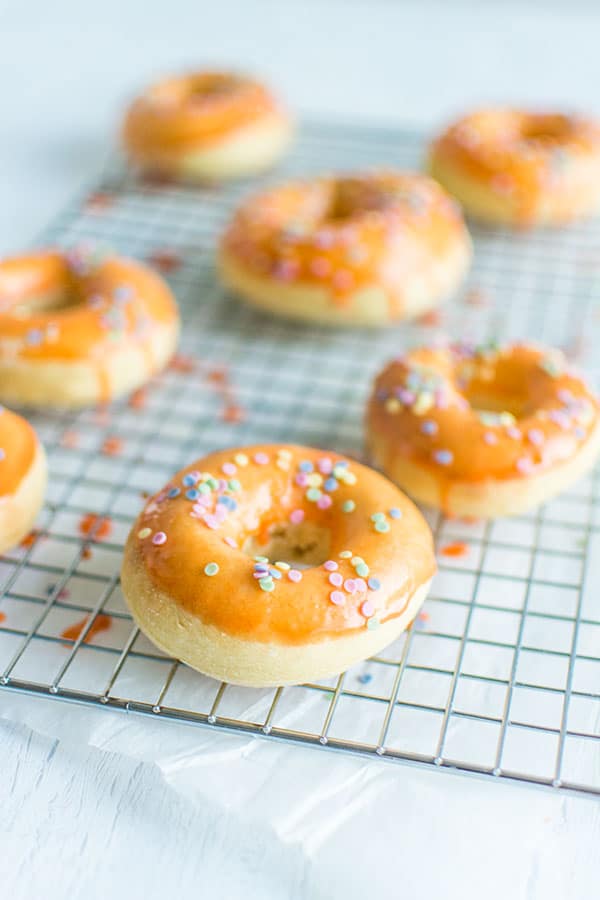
[500, 675]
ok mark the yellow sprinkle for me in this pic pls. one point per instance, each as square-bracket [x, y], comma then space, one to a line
[392, 405]
[346, 554]
[283, 464]
[241, 459]
[357, 561]
[507, 418]
[285, 567]
[423, 403]
[314, 479]
[348, 477]
[144, 533]
[285, 454]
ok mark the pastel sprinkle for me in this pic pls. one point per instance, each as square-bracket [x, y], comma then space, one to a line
[301, 479]
[490, 438]
[159, 538]
[336, 579]
[275, 573]
[367, 609]
[188, 480]
[241, 459]
[306, 466]
[346, 554]
[144, 533]
[443, 457]
[382, 527]
[374, 583]
[261, 459]
[314, 479]
[325, 465]
[337, 597]
[231, 542]
[266, 584]
[356, 561]
[313, 494]
[192, 494]
[295, 575]
[234, 485]
[324, 501]
[211, 568]
[429, 427]
[395, 513]
[228, 469]
[362, 569]
[348, 506]
[535, 437]
[285, 567]
[261, 559]
[296, 516]
[378, 517]
[361, 584]
[350, 585]
[331, 484]
[524, 465]
[330, 565]
[372, 623]
[174, 492]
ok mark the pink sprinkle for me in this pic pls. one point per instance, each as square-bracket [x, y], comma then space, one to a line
[514, 433]
[337, 597]
[368, 608]
[350, 585]
[231, 542]
[324, 501]
[211, 521]
[296, 516]
[301, 479]
[295, 575]
[536, 436]
[321, 267]
[336, 579]
[524, 465]
[407, 397]
[490, 438]
[343, 280]
[285, 269]
[261, 459]
[159, 538]
[325, 465]
[361, 584]
[330, 565]
[228, 468]
[195, 475]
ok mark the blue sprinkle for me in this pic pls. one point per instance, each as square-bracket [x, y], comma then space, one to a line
[365, 678]
[374, 584]
[189, 480]
[192, 494]
[395, 513]
[429, 427]
[229, 502]
[34, 337]
[331, 484]
[174, 492]
[275, 573]
[261, 567]
[341, 464]
[306, 466]
[122, 293]
[443, 457]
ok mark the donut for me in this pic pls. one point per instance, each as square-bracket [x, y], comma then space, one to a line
[276, 564]
[22, 478]
[206, 125]
[520, 169]
[352, 250]
[78, 330]
[482, 431]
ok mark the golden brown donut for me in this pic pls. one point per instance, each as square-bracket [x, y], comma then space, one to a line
[206, 125]
[22, 478]
[75, 330]
[353, 250]
[520, 168]
[276, 564]
[483, 431]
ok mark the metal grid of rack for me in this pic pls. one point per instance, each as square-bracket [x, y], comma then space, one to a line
[499, 675]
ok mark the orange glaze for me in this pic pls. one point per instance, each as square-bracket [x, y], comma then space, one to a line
[177, 537]
[101, 623]
[192, 112]
[473, 413]
[69, 307]
[345, 233]
[456, 548]
[522, 154]
[18, 444]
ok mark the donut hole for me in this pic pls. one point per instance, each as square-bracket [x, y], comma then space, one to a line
[211, 86]
[545, 129]
[56, 300]
[352, 196]
[487, 399]
[302, 546]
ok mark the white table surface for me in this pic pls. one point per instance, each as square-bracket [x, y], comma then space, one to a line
[94, 806]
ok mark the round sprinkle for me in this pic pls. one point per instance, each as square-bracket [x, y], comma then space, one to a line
[325, 465]
[241, 459]
[490, 438]
[144, 533]
[536, 437]
[331, 484]
[285, 567]
[336, 579]
[443, 457]
[378, 517]
[429, 427]
[159, 538]
[174, 492]
[382, 527]
[188, 480]
[314, 479]
[395, 513]
[346, 554]
[374, 583]
[228, 469]
[261, 559]
[231, 542]
[306, 466]
[348, 506]
[296, 516]
[367, 609]
[337, 597]
[261, 459]
[234, 485]
[295, 575]
[362, 569]
[330, 565]
[313, 494]
[211, 568]
[361, 584]
[266, 584]
[324, 501]
[350, 585]
[275, 573]
[301, 479]
[192, 494]
[356, 561]
[348, 478]
[372, 623]
[204, 488]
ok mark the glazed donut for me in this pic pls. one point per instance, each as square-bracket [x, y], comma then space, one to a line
[206, 125]
[521, 169]
[356, 250]
[483, 431]
[276, 564]
[75, 330]
[22, 478]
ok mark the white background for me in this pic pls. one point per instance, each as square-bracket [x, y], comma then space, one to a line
[208, 817]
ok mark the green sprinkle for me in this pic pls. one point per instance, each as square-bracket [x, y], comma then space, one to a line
[348, 506]
[267, 584]
[356, 561]
[211, 568]
[212, 483]
[313, 494]
[346, 554]
[382, 527]
[378, 517]
[234, 485]
[204, 488]
[362, 570]
[372, 623]
[261, 559]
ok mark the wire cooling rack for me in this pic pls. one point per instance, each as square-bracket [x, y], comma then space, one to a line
[500, 674]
